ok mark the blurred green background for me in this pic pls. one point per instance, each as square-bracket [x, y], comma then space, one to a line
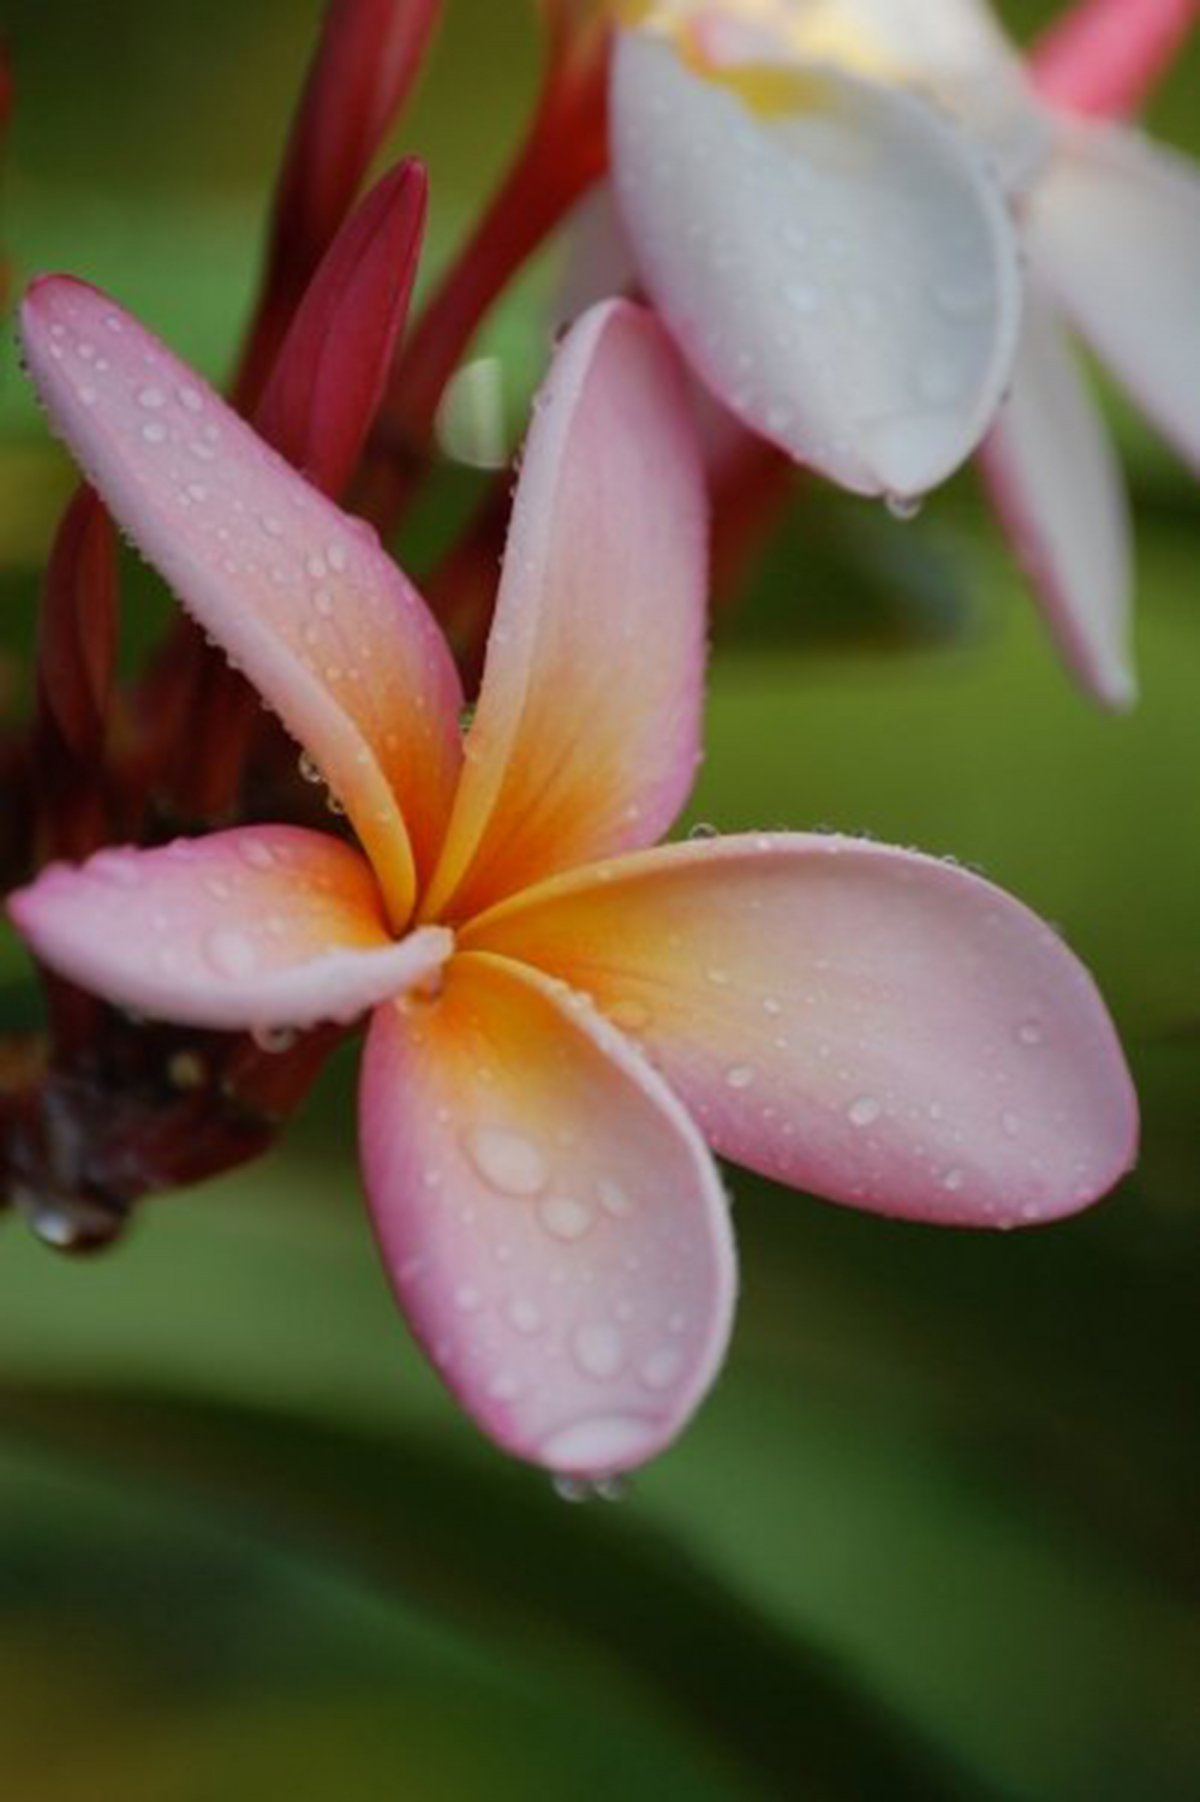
[936, 1531]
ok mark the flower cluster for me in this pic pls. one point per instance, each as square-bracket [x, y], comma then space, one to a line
[566, 1019]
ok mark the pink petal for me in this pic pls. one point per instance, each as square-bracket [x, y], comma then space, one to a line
[553, 1225]
[299, 595]
[1057, 486]
[833, 257]
[330, 374]
[873, 1025]
[588, 728]
[1114, 230]
[264, 926]
[1104, 56]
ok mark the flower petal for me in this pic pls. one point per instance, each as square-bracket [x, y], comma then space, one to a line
[873, 1025]
[1105, 56]
[587, 733]
[554, 1227]
[299, 595]
[833, 257]
[264, 926]
[1114, 230]
[1057, 486]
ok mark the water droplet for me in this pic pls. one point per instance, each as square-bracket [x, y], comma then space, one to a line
[615, 1199]
[152, 398]
[1029, 1032]
[565, 1217]
[525, 1315]
[863, 1112]
[196, 491]
[718, 977]
[467, 1298]
[1010, 1124]
[257, 854]
[192, 399]
[308, 769]
[323, 601]
[274, 1040]
[904, 507]
[231, 953]
[803, 297]
[599, 1444]
[702, 830]
[740, 1076]
[662, 1368]
[154, 433]
[953, 1180]
[599, 1349]
[507, 1160]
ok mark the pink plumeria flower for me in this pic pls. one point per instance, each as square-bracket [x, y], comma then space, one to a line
[817, 267]
[561, 1017]
[833, 254]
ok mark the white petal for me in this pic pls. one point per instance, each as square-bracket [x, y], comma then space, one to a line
[1056, 482]
[840, 270]
[1115, 232]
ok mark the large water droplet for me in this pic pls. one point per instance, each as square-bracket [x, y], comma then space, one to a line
[565, 1217]
[507, 1160]
[599, 1349]
[662, 1368]
[863, 1112]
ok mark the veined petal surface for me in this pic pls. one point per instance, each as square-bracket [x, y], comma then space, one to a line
[1056, 482]
[832, 255]
[300, 596]
[875, 1026]
[587, 733]
[552, 1222]
[1114, 230]
[262, 926]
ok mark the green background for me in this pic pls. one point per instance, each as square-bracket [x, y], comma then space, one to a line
[936, 1531]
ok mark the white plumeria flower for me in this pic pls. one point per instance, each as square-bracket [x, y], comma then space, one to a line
[821, 197]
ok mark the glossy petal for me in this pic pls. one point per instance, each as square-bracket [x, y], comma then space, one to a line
[552, 1222]
[833, 257]
[875, 1026]
[299, 595]
[1056, 482]
[263, 926]
[587, 732]
[1115, 232]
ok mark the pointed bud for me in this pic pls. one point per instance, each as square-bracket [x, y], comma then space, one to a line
[323, 393]
[368, 56]
[1104, 57]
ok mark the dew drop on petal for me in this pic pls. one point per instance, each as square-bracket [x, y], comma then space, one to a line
[598, 1349]
[565, 1217]
[507, 1160]
[231, 953]
[863, 1112]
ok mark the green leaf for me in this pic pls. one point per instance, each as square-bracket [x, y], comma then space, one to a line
[480, 1546]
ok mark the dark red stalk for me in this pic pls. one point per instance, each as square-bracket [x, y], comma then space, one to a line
[564, 152]
[362, 71]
